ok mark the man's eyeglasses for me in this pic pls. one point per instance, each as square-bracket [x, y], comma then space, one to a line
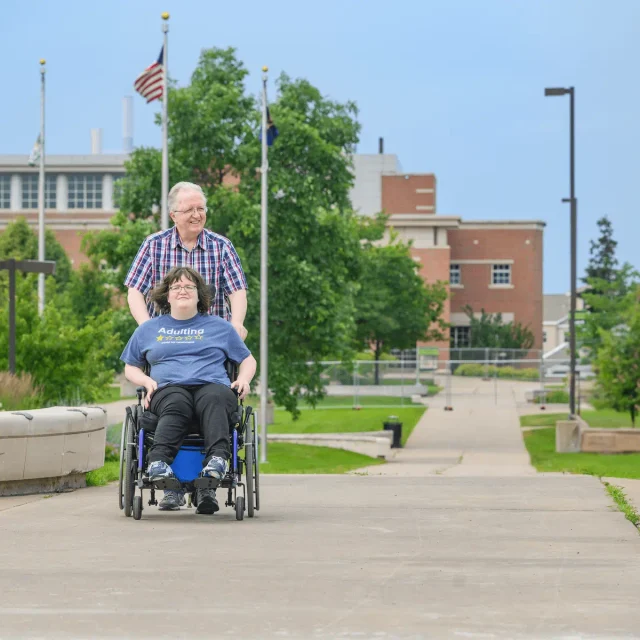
[199, 210]
[190, 288]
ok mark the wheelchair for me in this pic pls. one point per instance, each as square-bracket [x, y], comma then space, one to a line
[242, 481]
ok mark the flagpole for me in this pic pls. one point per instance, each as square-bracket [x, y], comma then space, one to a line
[264, 349]
[164, 215]
[41, 193]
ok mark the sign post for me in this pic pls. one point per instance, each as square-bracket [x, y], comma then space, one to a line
[45, 267]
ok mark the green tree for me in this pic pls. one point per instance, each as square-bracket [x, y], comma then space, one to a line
[603, 264]
[395, 308]
[67, 361]
[20, 241]
[490, 331]
[618, 361]
[314, 238]
[606, 297]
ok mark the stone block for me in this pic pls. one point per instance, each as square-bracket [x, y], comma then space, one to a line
[568, 438]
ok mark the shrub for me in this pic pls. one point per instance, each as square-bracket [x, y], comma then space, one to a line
[479, 370]
[558, 396]
[18, 392]
[472, 369]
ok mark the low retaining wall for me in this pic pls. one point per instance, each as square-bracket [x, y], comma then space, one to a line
[50, 449]
[375, 444]
[576, 435]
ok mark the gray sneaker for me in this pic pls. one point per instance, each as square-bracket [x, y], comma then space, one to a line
[172, 501]
[216, 468]
[207, 502]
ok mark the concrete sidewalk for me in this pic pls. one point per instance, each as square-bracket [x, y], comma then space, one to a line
[457, 538]
[329, 557]
[480, 437]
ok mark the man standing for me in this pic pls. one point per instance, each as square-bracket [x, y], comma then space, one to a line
[188, 244]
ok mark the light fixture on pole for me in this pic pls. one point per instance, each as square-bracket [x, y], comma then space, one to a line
[561, 91]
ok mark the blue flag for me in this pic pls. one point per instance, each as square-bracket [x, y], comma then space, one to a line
[272, 130]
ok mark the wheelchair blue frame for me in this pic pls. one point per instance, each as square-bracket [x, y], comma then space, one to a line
[187, 465]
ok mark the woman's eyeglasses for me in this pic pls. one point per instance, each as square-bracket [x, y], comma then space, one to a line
[190, 288]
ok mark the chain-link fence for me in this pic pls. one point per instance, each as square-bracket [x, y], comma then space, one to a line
[481, 373]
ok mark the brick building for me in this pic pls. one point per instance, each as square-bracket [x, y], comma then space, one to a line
[490, 265]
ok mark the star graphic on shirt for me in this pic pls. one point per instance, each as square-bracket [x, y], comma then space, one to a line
[159, 338]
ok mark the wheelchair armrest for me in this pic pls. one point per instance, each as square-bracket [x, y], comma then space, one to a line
[231, 368]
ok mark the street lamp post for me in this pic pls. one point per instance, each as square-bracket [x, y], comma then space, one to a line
[561, 91]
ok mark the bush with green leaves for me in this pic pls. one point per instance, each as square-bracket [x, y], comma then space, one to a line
[66, 360]
[478, 370]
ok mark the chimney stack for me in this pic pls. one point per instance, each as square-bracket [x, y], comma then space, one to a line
[96, 141]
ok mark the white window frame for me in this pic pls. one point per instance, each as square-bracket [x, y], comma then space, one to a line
[30, 186]
[455, 275]
[5, 191]
[454, 341]
[501, 275]
[85, 191]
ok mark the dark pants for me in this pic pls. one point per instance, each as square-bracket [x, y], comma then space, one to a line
[186, 409]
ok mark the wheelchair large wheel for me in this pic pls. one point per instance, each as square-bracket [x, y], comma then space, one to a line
[248, 481]
[125, 426]
[129, 477]
[256, 466]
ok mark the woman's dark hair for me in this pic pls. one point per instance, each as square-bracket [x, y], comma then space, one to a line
[160, 293]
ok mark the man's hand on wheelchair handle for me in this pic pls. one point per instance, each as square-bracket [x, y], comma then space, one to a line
[242, 387]
[150, 385]
[239, 327]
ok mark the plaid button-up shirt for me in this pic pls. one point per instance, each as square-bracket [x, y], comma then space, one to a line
[213, 257]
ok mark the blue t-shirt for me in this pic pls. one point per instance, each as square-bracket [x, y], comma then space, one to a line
[185, 352]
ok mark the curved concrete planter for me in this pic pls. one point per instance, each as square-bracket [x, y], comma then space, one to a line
[50, 449]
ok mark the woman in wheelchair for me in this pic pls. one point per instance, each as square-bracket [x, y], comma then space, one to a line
[186, 350]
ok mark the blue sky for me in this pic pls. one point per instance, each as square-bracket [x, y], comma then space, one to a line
[455, 87]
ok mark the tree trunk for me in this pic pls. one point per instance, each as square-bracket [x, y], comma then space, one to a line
[632, 410]
[378, 349]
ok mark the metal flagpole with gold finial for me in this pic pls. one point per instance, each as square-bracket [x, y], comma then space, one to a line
[164, 213]
[264, 347]
[41, 192]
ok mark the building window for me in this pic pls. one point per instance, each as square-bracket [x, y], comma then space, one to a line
[85, 191]
[30, 190]
[460, 337]
[455, 276]
[501, 274]
[5, 191]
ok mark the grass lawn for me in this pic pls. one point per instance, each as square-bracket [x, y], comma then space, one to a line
[346, 420]
[345, 401]
[541, 445]
[300, 458]
[602, 419]
[104, 475]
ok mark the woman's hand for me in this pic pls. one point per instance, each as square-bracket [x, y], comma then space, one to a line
[241, 386]
[150, 385]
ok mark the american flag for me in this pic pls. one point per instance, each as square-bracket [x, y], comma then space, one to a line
[149, 84]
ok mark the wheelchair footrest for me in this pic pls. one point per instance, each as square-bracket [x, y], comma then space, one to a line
[206, 483]
[171, 484]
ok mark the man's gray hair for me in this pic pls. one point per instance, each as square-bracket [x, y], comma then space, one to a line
[178, 188]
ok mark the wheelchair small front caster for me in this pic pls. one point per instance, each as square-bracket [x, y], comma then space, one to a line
[239, 508]
[137, 507]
